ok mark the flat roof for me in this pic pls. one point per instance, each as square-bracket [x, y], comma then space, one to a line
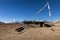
[33, 22]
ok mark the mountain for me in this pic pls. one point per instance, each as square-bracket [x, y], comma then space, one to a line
[57, 22]
[2, 23]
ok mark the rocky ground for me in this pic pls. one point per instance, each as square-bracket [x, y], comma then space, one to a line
[8, 32]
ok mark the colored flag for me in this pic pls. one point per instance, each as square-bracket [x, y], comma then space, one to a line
[49, 9]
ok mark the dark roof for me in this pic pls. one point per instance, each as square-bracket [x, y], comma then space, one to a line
[30, 22]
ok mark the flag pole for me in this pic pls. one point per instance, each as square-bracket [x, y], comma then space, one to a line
[51, 18]
[49, 12]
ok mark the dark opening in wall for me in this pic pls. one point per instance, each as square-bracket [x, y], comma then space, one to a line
[19, 29]
[41, 24]
[47, 25]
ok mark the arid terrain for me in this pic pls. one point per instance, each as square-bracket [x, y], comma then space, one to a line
[8, 32]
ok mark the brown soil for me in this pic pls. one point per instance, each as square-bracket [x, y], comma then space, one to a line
[7, 32]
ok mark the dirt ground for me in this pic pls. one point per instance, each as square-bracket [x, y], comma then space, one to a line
[7, 32]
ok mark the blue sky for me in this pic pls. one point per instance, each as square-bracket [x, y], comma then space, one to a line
[23, 9]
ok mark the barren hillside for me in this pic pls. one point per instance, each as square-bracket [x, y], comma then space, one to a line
[57, 23]
[7, 32]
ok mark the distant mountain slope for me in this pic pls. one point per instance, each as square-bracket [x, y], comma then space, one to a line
[57, 22]
[2, 23]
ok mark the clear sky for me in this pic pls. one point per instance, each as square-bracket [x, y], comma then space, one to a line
[23, 9]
